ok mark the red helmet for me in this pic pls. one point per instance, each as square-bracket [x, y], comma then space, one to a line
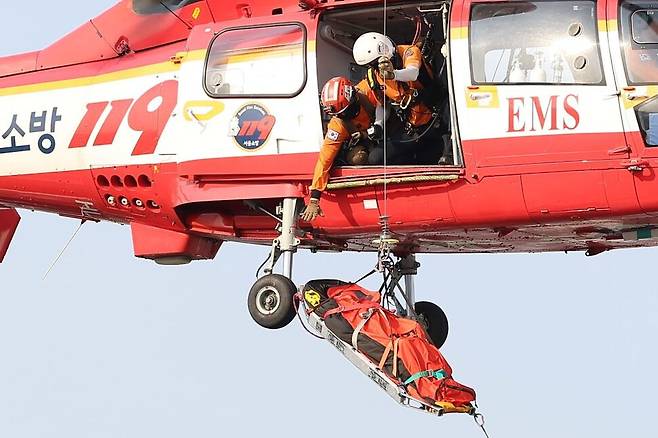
[338, 94]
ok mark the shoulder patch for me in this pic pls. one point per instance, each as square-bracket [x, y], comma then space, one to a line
[332, 135]
[409, 52]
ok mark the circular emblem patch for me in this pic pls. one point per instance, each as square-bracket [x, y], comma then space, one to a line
[252, 126]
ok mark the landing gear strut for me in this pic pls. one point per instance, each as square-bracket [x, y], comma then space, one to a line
[270, 300]
[428, 314]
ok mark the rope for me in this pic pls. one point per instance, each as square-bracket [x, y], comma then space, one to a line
[296, 300]
[365, 276]
[479, 420]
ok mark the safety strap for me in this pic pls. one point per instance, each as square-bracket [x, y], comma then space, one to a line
[395, 357]
[365, 317]
[438, 374]
[392, 345]
[387, 351]
[374, 84]
[341, 309]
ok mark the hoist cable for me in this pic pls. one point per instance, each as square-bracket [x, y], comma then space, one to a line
[384, 127]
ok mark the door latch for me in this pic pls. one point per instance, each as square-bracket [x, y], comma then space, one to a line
[635, 165]
[619, 150]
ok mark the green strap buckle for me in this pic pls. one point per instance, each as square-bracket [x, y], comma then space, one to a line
[438, 374]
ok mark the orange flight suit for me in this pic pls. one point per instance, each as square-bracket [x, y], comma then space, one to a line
[338, 132]
[397, 91]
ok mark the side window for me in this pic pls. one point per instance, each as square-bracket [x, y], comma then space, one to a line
[541, 42]
[147, 7]
[267, 61]
[639, 35]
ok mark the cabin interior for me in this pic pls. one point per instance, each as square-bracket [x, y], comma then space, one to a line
[420, 22]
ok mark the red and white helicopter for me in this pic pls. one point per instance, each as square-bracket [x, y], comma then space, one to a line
[198, 122]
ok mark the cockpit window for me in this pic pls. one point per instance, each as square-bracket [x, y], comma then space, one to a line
[264, 61]
[638, 31]
[147, 7]
[542, 42]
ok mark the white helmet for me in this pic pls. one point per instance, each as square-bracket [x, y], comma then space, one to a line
[371, 46]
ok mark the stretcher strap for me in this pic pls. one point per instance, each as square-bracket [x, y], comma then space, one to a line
[392, 345]
[365, 317]
[395, 356]
[341, 309]
[387, 351]
[438, 374]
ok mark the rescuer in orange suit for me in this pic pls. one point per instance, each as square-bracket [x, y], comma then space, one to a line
[399, 73]
[352, 124]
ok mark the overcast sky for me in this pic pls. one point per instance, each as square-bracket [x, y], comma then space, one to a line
[111, 346]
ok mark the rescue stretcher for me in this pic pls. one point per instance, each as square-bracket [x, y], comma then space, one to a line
[394, 390]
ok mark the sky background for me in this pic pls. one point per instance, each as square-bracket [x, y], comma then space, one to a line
[113, 346]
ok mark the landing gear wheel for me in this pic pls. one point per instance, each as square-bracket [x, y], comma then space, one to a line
[434, 320]
[270, 301]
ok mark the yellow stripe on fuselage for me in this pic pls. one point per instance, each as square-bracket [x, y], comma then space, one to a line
[607, 25]
[153, 69]
[459, 33]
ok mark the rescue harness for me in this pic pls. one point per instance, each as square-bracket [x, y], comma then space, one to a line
[426, 96]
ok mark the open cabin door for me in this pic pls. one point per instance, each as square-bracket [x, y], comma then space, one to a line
[633, 33]
[411, 23]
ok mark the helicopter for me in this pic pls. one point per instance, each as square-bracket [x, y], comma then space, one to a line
[197, 122]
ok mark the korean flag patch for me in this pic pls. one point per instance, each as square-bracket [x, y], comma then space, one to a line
[332, 135]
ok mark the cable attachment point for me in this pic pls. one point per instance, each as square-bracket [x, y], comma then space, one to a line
[386, 242]
[479, 420]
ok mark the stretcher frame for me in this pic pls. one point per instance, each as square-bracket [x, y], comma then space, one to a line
[396, 391]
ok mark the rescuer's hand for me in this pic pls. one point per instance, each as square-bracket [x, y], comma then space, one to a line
[386, 69]
[375, 132]
[312, 210]
[356, 137]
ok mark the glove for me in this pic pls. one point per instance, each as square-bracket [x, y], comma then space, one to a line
[356, 137]
[375, 132]
[312, 211]
[386, 69]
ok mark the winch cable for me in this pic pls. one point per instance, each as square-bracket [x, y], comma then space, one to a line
[384, 127]
[385, 240]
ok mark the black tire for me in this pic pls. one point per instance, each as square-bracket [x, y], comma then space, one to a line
[270, 301]
[434, 320]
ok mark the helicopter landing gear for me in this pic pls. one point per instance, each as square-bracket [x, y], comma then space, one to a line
[428, 314]
[434, 320]
[270, 300]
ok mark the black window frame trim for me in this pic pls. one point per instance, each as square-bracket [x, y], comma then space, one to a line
[631, 41]
[640, 43]
[602, 82]
[259, 96]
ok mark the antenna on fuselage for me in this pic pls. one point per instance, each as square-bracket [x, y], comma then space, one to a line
[176, 15]
[61, 253]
